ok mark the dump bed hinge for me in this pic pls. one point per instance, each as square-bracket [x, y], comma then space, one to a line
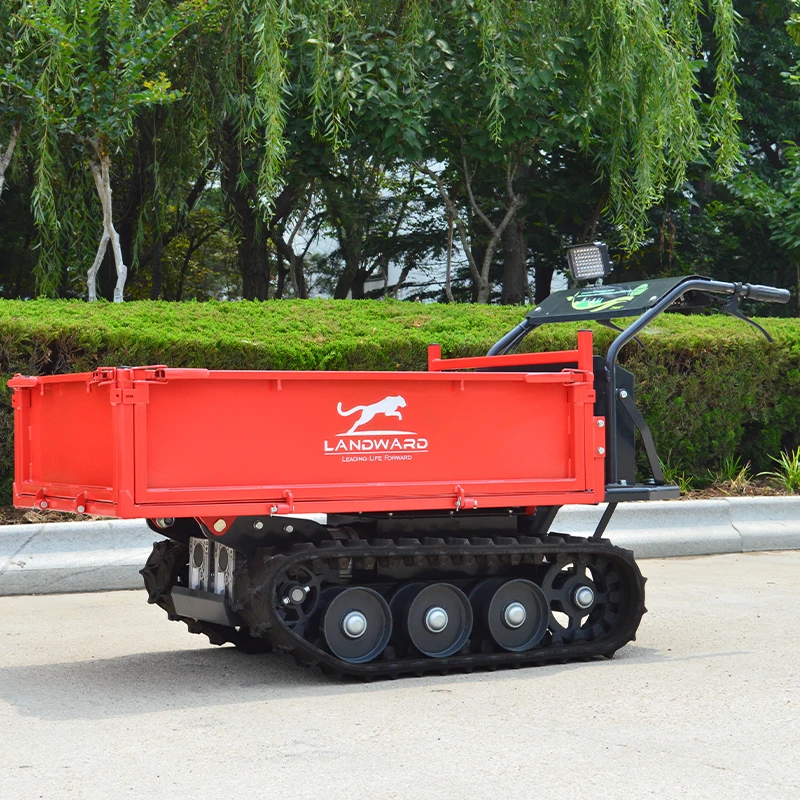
[104, 375]
[133, 395]
[463, 502]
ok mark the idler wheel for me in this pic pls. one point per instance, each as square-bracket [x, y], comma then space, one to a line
[515, 613]
[438, 619]
[357, 624]
[585, 596]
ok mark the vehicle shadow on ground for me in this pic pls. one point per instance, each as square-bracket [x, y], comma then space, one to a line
[143, 683]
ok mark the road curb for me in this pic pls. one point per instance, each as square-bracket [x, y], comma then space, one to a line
[63, 557]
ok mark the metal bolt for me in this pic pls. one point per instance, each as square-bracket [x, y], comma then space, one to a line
[219, 525]
[285, 601]
[601, 451]
[298, 594]
[288, 528]
[43, 504]
[623, 393]
[601, 423]
[514, 615]
[81, 509]
[583, 597]
[354, 624]
[258, 524]
[436, 619]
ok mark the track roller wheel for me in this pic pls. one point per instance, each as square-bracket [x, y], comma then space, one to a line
[357, 624]
[515, 613]
[437, 619]
[584, 596]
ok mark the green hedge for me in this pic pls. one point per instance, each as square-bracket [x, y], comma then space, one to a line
[710, 387]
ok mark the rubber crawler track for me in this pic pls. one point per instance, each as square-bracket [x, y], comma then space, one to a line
[258, 584]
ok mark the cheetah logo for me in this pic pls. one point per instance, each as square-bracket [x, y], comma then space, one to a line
[388, 407]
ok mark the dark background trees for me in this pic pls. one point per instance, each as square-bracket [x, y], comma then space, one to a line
[345, 149]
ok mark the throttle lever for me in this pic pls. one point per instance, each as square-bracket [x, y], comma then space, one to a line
[733, 309]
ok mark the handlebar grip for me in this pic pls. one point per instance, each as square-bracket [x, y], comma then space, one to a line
[766, 294]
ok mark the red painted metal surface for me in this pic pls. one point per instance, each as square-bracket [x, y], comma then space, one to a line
[159, 442]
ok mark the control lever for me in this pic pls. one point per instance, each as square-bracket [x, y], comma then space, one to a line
[734, 309]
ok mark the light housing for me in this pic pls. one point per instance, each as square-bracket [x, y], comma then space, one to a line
[588, 261]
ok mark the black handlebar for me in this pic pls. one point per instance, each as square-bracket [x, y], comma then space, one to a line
[765, 294]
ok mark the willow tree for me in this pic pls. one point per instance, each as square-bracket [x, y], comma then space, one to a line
[455, 81]
[17, 64]
[103, 62]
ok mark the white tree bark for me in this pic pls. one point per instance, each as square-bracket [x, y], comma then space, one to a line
[5, 159]
[101, 171]
[448, 287]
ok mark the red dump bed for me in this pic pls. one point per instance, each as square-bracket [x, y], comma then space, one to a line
[159, 442]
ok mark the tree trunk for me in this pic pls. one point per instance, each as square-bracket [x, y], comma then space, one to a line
[543, 278]
[254, 265]
[480, 286]
[281, 276]
[352, 264]
[101, 171]
[448, 275]
[158, 267]
[515, 264]
[251, 230]
[298, 274]
[296, 261]
[5, 159]
[357, 287]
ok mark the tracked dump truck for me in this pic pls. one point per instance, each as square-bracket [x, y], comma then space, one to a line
[377, 523]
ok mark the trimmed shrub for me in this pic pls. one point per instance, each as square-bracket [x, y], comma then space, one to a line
[711, 387]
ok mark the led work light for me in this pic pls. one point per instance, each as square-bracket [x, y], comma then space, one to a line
[588, 261]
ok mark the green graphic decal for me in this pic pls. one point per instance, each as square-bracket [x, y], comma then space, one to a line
[605, 298]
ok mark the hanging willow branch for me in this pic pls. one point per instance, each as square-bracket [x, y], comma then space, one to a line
[397, 78]
[623, 83]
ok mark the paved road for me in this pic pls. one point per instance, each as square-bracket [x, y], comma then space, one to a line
[101, 697]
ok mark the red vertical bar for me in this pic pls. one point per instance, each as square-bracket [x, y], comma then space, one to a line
[434, 355]
[21, 401]
[585, 351]
[123, 443]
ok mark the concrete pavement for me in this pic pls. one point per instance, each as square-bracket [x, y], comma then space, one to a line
[101, 697]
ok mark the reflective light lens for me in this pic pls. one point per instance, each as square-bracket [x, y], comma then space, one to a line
[588, 261]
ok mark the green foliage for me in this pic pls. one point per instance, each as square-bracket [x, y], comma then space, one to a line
[712, 390]
[675, 476]
[98, 65]
[788, 472]
[596, 107]
[732, 475]
[778, 200]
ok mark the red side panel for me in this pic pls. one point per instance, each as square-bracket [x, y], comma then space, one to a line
[64, 438]
[159, 442]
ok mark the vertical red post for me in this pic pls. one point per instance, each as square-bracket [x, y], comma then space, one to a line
[585, 350]
[434, 355]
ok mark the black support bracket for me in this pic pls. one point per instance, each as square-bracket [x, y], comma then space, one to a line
[647, 437]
